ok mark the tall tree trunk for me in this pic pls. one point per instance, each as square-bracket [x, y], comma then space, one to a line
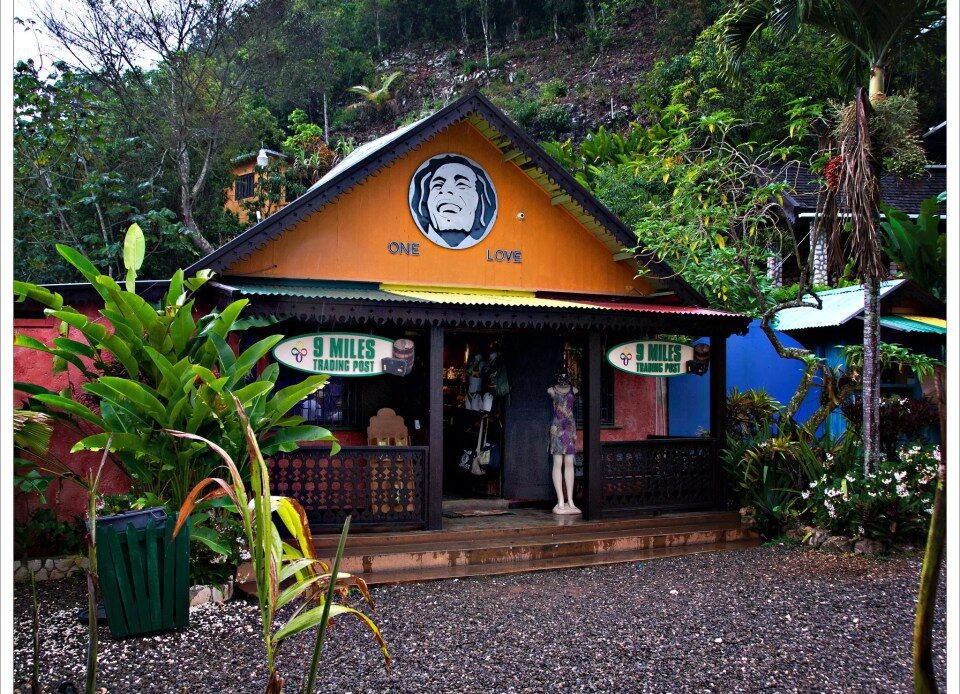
[877, 78]
[924, 676]
[187, 200]
[871, 375]
[376, 19]
[326, 122]
[591, 15]
[485, 26]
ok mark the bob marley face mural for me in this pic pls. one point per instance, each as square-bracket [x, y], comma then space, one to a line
[453, 201]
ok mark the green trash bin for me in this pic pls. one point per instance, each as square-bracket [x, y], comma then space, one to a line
[144, 577]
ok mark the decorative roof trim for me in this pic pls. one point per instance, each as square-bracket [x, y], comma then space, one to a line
[474, 102]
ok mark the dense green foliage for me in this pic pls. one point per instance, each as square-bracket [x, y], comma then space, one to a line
[772, 79]
[918, 246]
[698, 193]
[157, 369]
[89, 163]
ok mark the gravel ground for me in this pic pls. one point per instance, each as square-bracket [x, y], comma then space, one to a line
[775, 618]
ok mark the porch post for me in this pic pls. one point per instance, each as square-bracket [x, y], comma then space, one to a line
[433, 495]
[592, 463]
[718, 408]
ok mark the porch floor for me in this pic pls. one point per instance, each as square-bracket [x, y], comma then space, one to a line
[525, 539]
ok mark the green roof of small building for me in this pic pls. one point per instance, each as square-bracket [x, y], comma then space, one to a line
[839, 306]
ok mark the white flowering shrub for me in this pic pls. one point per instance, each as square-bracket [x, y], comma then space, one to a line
[892, 504]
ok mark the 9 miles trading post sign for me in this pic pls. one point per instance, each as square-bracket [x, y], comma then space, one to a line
[337, 354]
[651, 357]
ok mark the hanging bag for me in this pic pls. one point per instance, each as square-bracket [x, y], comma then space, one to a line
[478, 464]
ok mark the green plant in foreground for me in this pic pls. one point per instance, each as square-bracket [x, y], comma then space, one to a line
[148, 369]
[284, 572]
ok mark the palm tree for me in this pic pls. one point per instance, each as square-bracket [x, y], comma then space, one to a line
[865, 33]
[375, 98]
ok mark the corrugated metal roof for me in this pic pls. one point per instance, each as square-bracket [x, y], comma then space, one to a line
[363, 151]
[479, 297]
[839, 306]
[463, 296]
[915, 324]
[658, 308]
[343, 291]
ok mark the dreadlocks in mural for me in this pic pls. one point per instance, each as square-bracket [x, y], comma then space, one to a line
[453, 201]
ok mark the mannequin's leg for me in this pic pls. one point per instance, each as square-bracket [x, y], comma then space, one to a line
[568, 477]
[558, 482]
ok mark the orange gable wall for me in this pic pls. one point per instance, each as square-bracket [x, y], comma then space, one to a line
[348, 239]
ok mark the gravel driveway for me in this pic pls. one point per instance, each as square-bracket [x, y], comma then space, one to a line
[774, 618]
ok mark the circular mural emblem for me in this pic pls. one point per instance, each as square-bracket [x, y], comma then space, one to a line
[453, 201]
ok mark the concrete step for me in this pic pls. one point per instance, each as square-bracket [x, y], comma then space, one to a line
[370, 561]
[536, 542]
[326, 544]
[503, 568]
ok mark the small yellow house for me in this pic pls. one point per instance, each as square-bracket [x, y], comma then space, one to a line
[245, 178]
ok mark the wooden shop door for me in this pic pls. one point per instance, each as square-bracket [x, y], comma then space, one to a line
[532, 362]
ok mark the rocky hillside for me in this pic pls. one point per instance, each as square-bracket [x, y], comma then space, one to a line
[553, 88]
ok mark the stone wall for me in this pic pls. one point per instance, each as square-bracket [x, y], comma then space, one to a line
[49, 568]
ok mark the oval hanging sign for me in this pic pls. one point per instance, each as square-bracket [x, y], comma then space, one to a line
[338, 354]
[651, 357]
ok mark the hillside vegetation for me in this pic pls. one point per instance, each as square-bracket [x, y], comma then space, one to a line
[98, 146]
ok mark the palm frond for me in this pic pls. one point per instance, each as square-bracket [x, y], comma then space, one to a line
[32, 431]
[737, 27]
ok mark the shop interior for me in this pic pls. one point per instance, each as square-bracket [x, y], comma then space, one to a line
[475, 388]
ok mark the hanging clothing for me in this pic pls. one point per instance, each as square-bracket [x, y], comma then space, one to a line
[563, 428]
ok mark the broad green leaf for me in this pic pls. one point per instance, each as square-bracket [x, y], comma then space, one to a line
[252, 390]
[43, 296]
[134, 247]
[175, 291]
[142, 396]
[224, 353]
[121, 442]
[183, 327]
[288, 439]
[71, 407]
[210, 537]
[73, 346]
[221, 323]
[250, 356]
[80, 261]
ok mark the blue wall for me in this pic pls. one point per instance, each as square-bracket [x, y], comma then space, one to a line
[751, 363]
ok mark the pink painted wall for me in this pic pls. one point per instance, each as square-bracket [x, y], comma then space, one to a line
[638, 410]
[31, 366]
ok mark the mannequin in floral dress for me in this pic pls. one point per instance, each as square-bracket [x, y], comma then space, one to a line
[563, 442]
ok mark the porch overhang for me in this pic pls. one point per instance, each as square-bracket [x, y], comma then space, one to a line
[373, 304]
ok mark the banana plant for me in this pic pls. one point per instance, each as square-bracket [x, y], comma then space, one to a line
[286, 573]
[918, 246]
[149, 369]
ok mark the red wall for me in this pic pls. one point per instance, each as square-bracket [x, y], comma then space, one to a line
[637, 410]
[31, 366]
[637, 413]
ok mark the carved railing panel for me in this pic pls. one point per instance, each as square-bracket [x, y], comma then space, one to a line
[660, 474]
[376, 485]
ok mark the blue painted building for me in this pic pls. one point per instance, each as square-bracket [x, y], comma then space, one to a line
[909, 316]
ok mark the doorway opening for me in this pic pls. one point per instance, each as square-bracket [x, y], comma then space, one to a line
[475, 389]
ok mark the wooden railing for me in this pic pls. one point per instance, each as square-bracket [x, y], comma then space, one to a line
[378, 486]
[664, 474]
